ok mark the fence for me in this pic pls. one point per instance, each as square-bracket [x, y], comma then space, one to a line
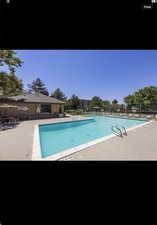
[147, 111]
[136, 110]
[131, 115]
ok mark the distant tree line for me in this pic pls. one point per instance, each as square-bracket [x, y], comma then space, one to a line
[10, 85]
[96, 101]
[144, 99]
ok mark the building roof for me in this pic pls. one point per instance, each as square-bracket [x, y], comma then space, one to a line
[32, 98]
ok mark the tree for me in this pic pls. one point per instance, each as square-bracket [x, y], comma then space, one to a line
[143, 98]
[130, 99]
[59, 95]
[75, 101]
[122, 107]
[68, 105]
[115, 101]
[37, 86]
[115, 107]
[106, 102]
[106, 105]
[146, 95]
[96, 101]
[10, 84]
[7, 57]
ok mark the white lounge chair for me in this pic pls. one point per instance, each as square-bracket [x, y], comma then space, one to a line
[149, 116]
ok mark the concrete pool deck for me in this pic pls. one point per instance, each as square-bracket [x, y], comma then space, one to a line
[17, 143]
[139, 144]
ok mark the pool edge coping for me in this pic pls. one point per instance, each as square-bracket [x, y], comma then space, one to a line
[36, 148]
[36, 155]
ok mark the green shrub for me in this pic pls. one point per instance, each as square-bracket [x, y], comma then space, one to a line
[73, 112]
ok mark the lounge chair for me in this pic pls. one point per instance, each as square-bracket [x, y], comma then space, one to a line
[123, 114]
[12, 121]
[8, 122]
[142, 116]
[1, 126]
[61, 115]
[126, 115]
[149, 116]
[136, 115]
[4, 126]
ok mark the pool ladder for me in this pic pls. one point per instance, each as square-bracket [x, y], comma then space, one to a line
[122, 131]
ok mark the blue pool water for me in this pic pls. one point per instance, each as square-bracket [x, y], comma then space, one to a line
[55, 138]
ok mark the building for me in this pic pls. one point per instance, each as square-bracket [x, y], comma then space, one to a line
[32, 106]
[85, 104]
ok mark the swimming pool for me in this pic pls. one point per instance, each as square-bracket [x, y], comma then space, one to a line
[60, 137]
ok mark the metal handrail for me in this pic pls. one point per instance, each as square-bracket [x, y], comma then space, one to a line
[124, 130]
[121, 135]
[125, 133]
[119, 130]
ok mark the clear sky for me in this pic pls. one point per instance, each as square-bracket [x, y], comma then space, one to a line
[108, 74]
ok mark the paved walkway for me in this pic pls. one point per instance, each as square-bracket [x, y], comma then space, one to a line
[140, 144]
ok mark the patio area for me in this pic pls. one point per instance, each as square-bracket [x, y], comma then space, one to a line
[139, 144]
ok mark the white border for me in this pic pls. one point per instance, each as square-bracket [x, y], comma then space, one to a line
[36, 144]
[37, 150]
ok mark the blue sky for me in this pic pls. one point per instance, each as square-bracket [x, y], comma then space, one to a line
[108, 74]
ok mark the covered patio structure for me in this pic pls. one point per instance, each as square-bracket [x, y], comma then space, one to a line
[32, 106]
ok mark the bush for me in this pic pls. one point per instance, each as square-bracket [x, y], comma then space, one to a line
[74, 112]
